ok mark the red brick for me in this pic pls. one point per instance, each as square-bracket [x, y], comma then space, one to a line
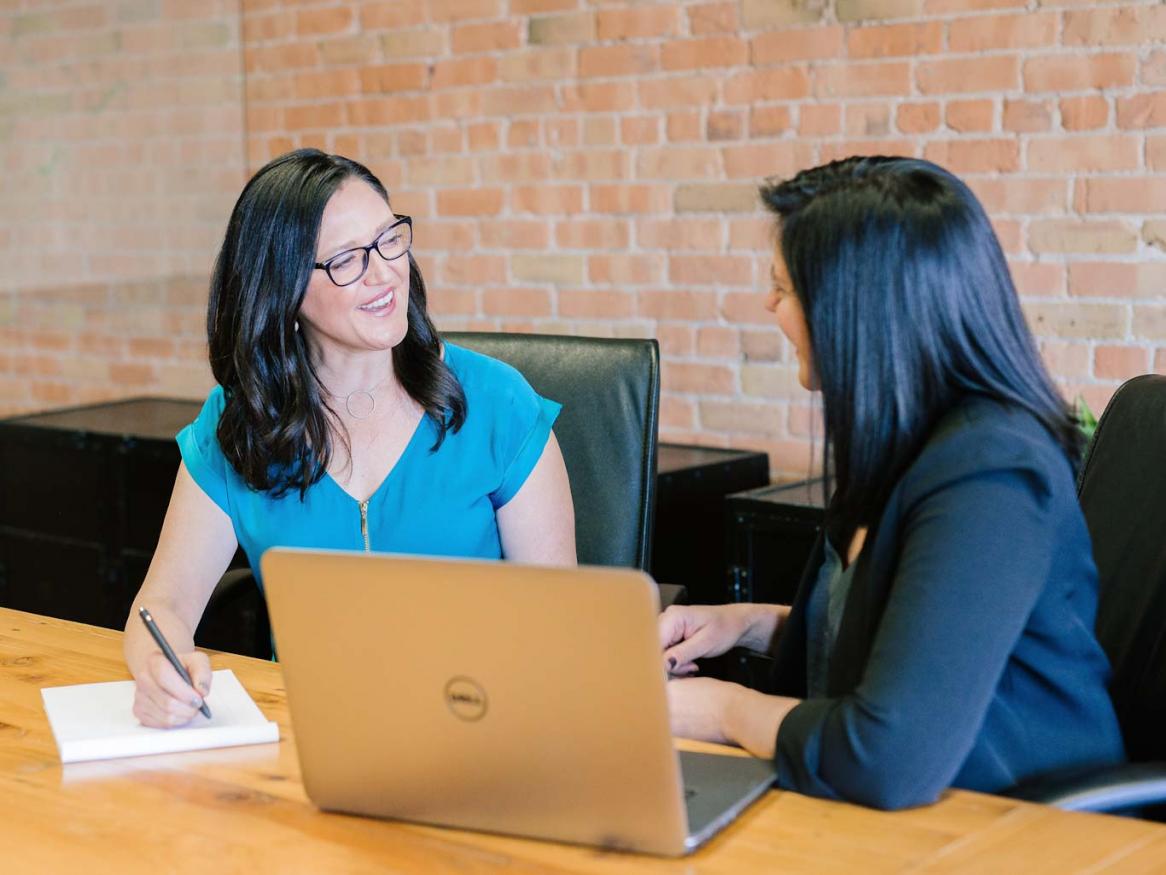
[1039, 278]
[1154, 69]
[1142, 194]
[968, 116]
[773, 84]
[592, 164]
[494, 36]
[974, 155]
[595, 304]
[547, 199]
[868, 119]
[388, 78]
[923, 38]
[572, 29]
[1027, 116]
[1071, 236]
[516, 302]
[639, 130]
[598, 97]
[1066, 359]
[1156, 153]
[689, 306]
[317, 22]
[469, 202]
[316, 115]
[683, 91]
[684, 127]
[605, 233]
[713, 18]
[756, 161]
[677, 413]
[1147, 110]
[864, 80]
[703, 54]
[676, 340]
[714, 270]
[725, 125]
[623, 60]
[638, 22]
[514, 234]
[740, 417]
[680, 233]
[627, 198]
[957, 75]
[464, 71]
[1084, 153]
[990, 32]
[625, 269]
[800, 44]
[534, 64]
[392, 14]
[718, 342]
[465, 10]
[770, 121]
[1079, 72]
[702, 379]
[1120, 362]
[1020, 196]
[1115, 26]
[917, 118]
[677, 162]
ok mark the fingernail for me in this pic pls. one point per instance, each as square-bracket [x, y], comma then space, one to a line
[671, 662]
[204, 687]
[195, 703]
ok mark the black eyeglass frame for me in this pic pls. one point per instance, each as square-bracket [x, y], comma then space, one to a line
[366, 251]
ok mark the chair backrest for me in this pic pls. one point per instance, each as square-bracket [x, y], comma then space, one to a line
[610, 392]
[1123, 494]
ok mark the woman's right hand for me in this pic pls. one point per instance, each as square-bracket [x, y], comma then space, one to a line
[161, 697]
[689, 632]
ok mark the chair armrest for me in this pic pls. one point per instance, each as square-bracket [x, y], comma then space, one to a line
[1101, 789]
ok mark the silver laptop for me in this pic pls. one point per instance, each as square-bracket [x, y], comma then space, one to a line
[492, 696]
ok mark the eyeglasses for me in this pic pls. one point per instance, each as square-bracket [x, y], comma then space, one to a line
[348, 266]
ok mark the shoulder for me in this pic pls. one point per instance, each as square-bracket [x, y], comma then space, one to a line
[481, 376]
[984, 438]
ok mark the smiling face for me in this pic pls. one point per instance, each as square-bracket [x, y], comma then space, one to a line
[370, 314]
[784, 303]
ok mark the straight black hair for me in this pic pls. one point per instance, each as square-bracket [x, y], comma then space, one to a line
[274, 429]
[910, 308]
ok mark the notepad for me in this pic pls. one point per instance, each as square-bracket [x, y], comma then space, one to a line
[96, 721]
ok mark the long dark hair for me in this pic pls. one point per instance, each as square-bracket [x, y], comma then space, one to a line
[274, 428]
[910, 307]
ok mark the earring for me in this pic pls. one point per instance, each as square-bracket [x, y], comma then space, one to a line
[297, 326]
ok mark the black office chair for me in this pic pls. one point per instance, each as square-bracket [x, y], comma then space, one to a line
[610, 392]
[1122, 489]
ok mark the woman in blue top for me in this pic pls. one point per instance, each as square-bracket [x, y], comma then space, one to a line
[943, 632]
[340, 418]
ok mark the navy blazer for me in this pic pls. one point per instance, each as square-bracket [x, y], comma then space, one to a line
[966, 654]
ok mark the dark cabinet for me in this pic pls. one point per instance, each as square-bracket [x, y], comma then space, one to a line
[688, 545]
[82, 495]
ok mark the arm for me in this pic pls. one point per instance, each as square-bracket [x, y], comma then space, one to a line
[974, 557]
[538, 524]
[194, 549]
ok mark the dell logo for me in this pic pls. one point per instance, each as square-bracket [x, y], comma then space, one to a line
[466, 699]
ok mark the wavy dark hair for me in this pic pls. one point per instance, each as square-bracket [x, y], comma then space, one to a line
[910, 308]
[274, 428]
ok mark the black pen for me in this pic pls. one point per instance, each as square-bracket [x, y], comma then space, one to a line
[169, 653]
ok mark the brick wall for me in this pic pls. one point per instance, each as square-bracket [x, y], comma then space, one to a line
[121, 147]
[589, 166]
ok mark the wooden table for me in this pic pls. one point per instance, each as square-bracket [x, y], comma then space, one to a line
[244, 809]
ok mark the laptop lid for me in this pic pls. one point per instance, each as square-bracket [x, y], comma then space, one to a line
[482, 695]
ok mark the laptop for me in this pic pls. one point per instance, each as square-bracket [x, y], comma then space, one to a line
[492, 696]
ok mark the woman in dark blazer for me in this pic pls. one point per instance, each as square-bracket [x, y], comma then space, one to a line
[943, 632]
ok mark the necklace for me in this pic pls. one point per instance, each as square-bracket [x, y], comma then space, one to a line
[361, 403]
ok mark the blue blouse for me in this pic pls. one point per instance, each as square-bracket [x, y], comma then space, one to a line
[439, 503]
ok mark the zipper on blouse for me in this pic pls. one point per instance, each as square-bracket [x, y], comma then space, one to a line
[364, 525]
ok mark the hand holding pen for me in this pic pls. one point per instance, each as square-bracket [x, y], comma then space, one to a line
[169, 696]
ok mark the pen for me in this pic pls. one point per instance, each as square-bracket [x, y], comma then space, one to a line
[169, 653]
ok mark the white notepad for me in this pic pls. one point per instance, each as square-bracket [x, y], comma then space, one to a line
[96, 721]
